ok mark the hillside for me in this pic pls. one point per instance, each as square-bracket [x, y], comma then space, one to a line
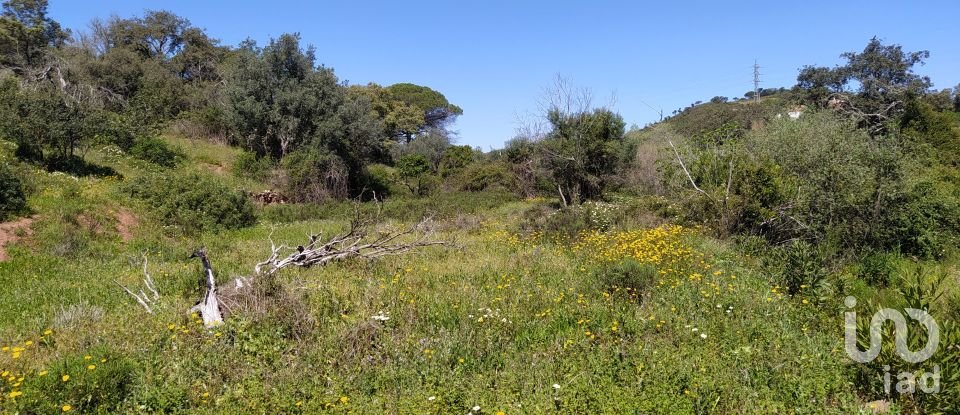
[504, 319]
[193, 227]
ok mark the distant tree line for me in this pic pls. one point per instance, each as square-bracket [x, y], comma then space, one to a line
[124, 80]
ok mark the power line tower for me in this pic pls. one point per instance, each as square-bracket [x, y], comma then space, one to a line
[756, 81]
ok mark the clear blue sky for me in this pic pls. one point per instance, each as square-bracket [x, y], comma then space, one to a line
[494, 58]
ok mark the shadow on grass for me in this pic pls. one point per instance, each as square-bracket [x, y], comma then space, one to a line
[77, 166]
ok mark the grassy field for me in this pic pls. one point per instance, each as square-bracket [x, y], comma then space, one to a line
[632, 320]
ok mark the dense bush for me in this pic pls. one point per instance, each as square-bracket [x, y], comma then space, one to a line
[315, 176]
[414, 172]
[842, 187]
[878, 268]
[935, 134]
[249, 166]
[381, 179]
[156, 151]
[113, 128]
[455, 159]
[798, 266]
[921, 291]
[194, 202]
[482, 176]
[581, 151]
[29, 152]
[925, 221]
[12, 198]
[629, 274]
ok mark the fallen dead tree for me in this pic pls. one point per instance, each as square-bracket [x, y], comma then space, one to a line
[356, 242]
[367, 238]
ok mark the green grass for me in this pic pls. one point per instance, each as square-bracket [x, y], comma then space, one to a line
[495, 321]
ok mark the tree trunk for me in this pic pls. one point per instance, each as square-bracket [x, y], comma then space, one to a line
[209, 306]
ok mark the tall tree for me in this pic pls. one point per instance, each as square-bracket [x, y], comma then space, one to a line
[409, 110]
[436, 111]
[278, 98]
[158, 34]
[872, 86]
[26, 33]
[581, 151]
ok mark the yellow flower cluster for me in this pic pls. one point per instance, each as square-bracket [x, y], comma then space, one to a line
[662, 247]
[510, 239]
[11, 381]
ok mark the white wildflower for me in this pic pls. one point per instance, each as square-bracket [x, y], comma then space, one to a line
[381, 316]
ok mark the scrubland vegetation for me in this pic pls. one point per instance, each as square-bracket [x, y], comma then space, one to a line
[697, 265]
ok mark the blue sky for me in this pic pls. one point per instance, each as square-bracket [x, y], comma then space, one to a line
[494, 58]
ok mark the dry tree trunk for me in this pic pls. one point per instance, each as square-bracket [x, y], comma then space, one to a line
[209, 307]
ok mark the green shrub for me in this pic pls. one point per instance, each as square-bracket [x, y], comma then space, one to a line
[482, 176]
[841, 186]
[925, 221]
[414, 172]
[247, 165]
[29, 152]
[316, 176]
[156, 151]
[194, 202]
[878, 268]
[381, 179]
[933, 133]
[98, 382]
[628, 274]
[564, 223]
[12, 198]
[923, 292]
[798, 266]
[116, 129]
[455, 159]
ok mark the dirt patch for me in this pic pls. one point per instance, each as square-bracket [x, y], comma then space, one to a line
[90, 223]
[216, 168]
[11, 232]
[125, 224]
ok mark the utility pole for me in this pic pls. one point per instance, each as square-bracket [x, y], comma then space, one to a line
[756, 81]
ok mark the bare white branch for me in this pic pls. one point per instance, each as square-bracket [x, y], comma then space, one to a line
[145, 300]
[687, 172]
